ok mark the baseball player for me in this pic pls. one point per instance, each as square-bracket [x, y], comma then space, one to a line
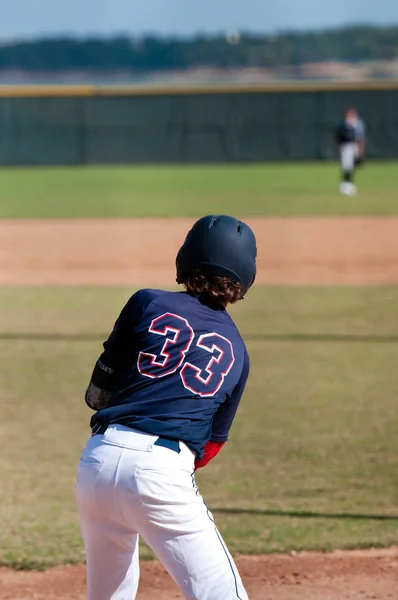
[350, 139]
[165, 391]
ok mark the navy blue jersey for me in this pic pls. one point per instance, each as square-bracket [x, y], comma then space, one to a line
[345, 133]
[350, 131]
[180, 365]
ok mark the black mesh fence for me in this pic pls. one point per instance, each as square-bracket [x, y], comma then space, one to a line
[245, 126]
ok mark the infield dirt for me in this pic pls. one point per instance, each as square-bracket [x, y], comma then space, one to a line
[141, 252]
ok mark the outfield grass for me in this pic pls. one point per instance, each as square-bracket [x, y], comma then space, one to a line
[311, 459]
[272, 189]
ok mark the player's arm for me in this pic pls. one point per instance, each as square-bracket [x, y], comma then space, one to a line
[361, 147]
[360, 135]
[111, 363]
[223, 419]
[101, 387]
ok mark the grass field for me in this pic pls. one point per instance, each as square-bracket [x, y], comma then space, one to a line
[311, 462]
[311, 459]
[273, 189]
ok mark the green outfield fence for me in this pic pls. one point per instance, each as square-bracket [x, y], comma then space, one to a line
[45, 125]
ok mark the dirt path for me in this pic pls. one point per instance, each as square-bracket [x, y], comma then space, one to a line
[314, 251]
[360, 575]
[141, 252]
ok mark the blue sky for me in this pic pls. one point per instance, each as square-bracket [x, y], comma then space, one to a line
[29, 18]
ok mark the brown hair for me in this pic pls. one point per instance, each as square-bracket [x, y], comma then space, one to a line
[219, 289]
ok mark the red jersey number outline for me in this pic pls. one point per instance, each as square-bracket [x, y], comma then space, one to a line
[153, 358]
[212, 348]
[167, 350]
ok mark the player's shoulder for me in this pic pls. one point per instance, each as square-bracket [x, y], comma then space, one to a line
[143, 298]
[149, 300]
[360, 125]
[240, 341]
[147, 297]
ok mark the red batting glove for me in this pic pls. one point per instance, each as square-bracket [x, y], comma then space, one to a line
[211, 450]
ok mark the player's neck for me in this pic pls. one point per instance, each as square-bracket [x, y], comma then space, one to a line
[211, 302]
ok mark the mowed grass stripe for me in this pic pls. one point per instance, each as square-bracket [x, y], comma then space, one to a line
[153, 191]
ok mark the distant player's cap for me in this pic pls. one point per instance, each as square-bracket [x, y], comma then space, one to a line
[219, 245]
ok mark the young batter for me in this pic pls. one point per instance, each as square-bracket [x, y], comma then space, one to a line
[166, 390]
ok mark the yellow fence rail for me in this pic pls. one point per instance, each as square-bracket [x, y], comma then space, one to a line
[26, 91]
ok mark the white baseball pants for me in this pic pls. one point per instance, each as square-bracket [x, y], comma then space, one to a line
[348, 154]
[126, 487]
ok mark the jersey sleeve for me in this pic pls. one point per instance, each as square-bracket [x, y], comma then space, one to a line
[226, 413]
[360, 130]
[119, 346]
[121, 337]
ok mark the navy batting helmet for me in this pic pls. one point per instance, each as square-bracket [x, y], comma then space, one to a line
[218, 245]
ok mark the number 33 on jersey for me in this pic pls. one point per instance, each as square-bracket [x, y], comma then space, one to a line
[179, 368]
[179, 336]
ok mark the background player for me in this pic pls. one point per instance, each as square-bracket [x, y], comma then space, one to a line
[350, 138]
[166, 388]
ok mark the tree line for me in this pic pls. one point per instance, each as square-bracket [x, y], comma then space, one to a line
[351, 44]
